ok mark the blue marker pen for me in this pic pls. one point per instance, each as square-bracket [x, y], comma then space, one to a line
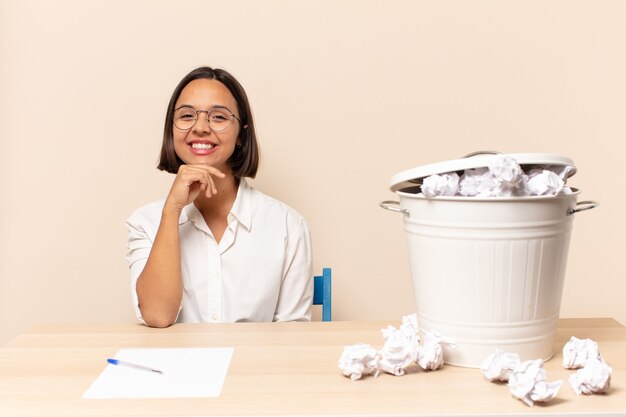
[132, 365]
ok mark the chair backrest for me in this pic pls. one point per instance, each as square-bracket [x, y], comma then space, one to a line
[322, 293]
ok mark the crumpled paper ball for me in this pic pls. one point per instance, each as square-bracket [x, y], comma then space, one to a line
[504, 177]
[399, 350]
[594, 378]
[577, 352]
[478, 182]
[528, 383]
[499, 365]
[358, 360]
[509, 177]
[441, 185]
[430, 352]
[410, 322]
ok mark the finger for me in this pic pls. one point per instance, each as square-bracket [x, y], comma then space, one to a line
[217, 172]
[211, 187]
[195, 177]
[205, 174]
[206, 182]
[210, 169]
[191, 179]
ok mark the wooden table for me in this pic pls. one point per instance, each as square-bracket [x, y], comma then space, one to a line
[282, 369]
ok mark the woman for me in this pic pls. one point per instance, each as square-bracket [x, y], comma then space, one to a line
[216, 250]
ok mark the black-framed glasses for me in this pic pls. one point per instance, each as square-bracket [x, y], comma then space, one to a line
[218, 118]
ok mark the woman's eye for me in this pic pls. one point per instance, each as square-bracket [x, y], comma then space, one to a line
[219, 117]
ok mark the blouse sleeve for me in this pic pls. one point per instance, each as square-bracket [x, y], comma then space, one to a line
[296, 290]
[139, 246]
[142, 229]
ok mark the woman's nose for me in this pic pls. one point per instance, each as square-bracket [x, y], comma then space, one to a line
[202, 123]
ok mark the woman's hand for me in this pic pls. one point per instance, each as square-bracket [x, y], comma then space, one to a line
[190, 181]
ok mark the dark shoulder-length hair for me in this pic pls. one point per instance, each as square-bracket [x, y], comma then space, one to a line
[245, 159]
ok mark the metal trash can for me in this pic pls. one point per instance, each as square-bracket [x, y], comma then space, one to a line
[487, 273]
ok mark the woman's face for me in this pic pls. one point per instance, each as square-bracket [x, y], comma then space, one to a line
[201, 144]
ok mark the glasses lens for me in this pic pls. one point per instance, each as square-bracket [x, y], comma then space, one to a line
[219, 119]
[185, 118]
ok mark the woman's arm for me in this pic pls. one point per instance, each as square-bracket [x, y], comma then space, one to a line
[159, 286]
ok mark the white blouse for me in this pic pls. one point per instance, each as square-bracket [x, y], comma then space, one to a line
[259, 271]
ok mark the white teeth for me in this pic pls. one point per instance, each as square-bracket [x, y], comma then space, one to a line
[202, 145]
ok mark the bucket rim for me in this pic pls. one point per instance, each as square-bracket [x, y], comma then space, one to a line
[412, 195]
[415, 175]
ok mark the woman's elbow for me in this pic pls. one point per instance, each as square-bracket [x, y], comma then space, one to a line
[159, 320]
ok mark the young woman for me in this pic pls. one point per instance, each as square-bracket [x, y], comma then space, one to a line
[215, 249]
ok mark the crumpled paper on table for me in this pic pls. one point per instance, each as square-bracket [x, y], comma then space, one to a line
[499, 365]
[502, 178]
[410, 322]
[577, 352]
[594, 378]
[593, 375]
[400, 348]
[358, 360]
[403, 347]
[528, 383]
[430, 352]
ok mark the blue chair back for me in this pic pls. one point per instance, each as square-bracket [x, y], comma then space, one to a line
[322, 293]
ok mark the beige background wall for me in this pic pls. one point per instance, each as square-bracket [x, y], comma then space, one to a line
[84, 87]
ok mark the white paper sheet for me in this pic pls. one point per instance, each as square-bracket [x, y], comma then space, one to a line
[187, 373]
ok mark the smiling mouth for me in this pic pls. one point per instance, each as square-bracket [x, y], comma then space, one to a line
[202, 145]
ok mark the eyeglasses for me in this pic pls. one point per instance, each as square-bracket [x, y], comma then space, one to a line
[218, 118]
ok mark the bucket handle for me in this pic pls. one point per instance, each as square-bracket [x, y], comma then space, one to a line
[390, 205]
[582, 206]
[469, 155]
